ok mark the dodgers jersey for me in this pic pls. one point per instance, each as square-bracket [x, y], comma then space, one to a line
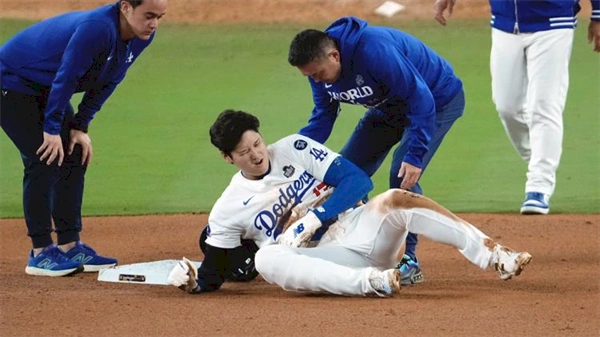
[258, 209]
[387, 70]
[73, 52]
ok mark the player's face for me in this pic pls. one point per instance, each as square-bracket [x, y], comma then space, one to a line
[141, 21]
[250, 155]
[326, 69]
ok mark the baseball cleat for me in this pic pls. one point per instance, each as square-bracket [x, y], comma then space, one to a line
[536, 203]
[410, 269]
[509, 263]
[385, 283]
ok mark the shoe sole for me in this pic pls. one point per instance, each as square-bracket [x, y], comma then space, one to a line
[413, 279]
[90, 268]
[522, 260]
[533, 210]
[395, 282]
[52, 273]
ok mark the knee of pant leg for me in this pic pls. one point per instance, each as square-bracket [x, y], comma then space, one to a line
[508, 111]
[35, 168]
[397, 198]
[264, 262]
[272, 260]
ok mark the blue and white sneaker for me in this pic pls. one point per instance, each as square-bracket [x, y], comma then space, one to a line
[88, 257]
[52, 262]
[536, 203]
[410, 269]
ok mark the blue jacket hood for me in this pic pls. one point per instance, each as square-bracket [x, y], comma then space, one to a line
[347, 32]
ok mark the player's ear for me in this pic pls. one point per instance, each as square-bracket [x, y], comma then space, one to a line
[227, 157]
[335, 54]
[125, 7]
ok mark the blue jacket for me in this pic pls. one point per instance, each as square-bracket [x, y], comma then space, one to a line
[387, 70]
[73, 52]
[527, 16]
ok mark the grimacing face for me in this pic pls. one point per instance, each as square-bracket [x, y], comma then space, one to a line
[326, 69]
[250, 155]
[142, 21]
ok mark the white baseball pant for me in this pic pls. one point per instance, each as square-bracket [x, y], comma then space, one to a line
[530, 80]
[369, 237]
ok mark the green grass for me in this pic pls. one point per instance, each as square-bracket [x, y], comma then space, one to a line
[151, 147]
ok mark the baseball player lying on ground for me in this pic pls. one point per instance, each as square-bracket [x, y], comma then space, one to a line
[332, 243]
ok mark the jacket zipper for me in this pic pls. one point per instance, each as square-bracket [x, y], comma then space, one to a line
[516, 29]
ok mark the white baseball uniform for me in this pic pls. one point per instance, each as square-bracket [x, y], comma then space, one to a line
[530, 79]
[364, 237]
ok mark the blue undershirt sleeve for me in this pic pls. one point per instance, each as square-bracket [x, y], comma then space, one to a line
[351, 186]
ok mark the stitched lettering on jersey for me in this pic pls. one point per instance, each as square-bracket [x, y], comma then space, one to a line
[319, 154]
[269, 219]
[353, 95]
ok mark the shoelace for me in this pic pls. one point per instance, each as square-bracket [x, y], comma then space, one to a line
[88, 249]
[55, 253]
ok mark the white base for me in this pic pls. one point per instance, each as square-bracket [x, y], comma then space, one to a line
[155, 272]
[389, 9]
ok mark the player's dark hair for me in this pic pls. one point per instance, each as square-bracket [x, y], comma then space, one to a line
[134, 3]
[309, 45]
[226, 132]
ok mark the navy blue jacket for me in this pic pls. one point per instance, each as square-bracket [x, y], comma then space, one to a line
[66, 54]
[527, 16]
[387, 70]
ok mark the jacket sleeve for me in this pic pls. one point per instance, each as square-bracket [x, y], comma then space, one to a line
[323, 116]
[595, 10]
[86, 44]
[92, 102]
[401, 81]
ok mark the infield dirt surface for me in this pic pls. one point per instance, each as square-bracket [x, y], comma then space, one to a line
[558, 294]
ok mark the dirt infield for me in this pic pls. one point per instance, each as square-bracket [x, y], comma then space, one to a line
[247, 11]
[557, 295]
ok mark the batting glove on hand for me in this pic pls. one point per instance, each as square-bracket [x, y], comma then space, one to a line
[300, 232]
[184, 276]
